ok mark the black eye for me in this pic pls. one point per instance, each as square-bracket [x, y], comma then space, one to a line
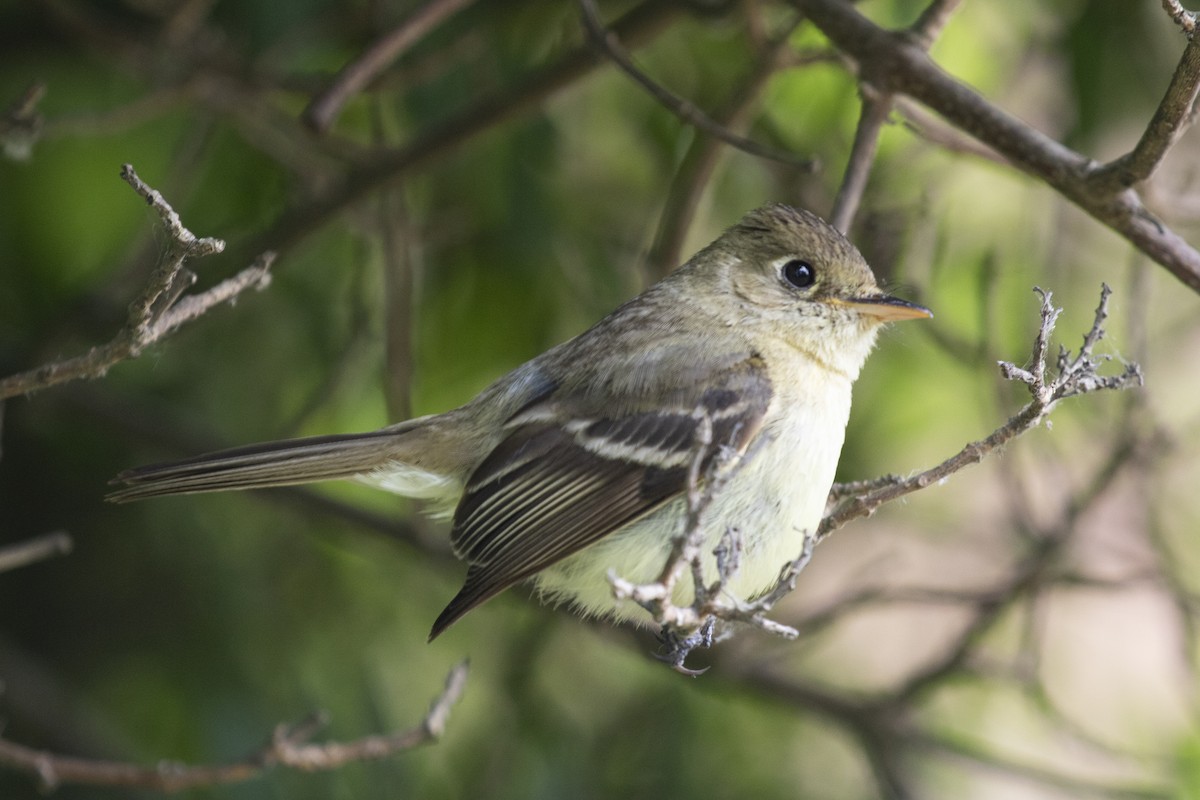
[799, 273]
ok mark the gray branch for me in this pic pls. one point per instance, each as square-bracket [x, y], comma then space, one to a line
[894, 62]
[159, 310]
[288, 747]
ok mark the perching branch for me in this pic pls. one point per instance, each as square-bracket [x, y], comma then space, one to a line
[688, 627]
[1076, 375]
[159, 310]
[703, 485]
[288, 747]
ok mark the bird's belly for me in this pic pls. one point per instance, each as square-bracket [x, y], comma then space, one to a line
[774, 500]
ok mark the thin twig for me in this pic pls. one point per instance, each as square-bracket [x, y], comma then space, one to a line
[840, 491]
[1184, 19]
[610, 45]
[697, 166]
[876, 109]
[684, 628]
[354, 77]
[288, 747]
[935, 131]
[706, 476]
[1076, 375]
[159, 310]
[40, 548]
[1172, 117]
[932, 22]
[22, 124]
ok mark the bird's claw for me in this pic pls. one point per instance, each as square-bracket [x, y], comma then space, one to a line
[676, 648]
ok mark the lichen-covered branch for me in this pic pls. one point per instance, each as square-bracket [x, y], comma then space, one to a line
[1186, 20]
[1076, 375]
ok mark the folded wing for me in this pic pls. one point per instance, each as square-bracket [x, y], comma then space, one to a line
[566, 477]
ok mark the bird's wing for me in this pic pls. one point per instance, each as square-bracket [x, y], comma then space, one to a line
[566, 476]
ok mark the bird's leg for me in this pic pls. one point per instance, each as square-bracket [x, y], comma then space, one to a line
[676, 648]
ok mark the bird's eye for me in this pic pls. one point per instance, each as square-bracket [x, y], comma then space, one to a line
[799, 273]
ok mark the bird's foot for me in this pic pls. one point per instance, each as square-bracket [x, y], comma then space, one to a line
[676, 648]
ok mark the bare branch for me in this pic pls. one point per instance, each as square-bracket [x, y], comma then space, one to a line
[935, 131]
[288, 747]
[354, 77]
[1184, 19]
[158, 310]
[22, 124]
[639, 24]
[840, 491]
[256, 276]
[1076, 375]
[610, 45]
[28, 552]
[698, 164]
[1170, 120]
[892, 62]
[876, 108]
[932, 21]
[875, 111]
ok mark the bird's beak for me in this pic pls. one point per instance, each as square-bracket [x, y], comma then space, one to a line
[886, 308]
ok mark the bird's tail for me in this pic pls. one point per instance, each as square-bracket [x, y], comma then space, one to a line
[270, 464]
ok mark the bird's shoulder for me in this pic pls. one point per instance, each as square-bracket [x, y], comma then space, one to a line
[645, 355]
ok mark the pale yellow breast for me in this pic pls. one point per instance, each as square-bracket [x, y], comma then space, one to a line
[778, 497]
[775, 498]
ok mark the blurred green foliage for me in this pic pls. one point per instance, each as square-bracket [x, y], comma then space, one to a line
[186, 628]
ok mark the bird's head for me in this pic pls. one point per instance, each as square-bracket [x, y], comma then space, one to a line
[793, 276]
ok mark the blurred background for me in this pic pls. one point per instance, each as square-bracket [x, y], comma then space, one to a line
[1024, 631]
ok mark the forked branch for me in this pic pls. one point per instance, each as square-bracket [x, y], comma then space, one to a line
[1078, 374]
[159, 310]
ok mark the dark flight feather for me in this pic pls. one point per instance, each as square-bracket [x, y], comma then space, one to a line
[552, 488]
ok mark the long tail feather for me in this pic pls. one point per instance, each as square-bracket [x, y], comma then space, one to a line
[257, 466]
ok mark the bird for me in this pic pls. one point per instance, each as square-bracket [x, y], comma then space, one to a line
[574, 465]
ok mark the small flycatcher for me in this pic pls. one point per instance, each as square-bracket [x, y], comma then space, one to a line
[575, 463]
